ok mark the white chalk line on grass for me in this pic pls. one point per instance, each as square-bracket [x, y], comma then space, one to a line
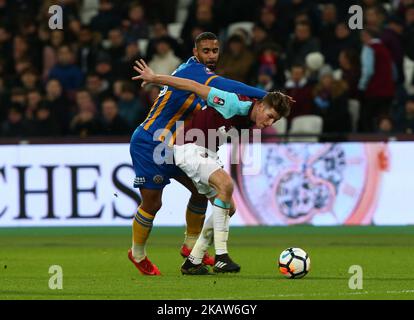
[305, 295]
[356, 293]
[337, 294]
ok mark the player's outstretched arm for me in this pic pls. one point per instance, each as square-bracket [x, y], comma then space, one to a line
[226, 103]
[148, 76]
[237, 87]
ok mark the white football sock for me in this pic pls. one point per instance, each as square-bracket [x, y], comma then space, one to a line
[221, 230]
[203, 242]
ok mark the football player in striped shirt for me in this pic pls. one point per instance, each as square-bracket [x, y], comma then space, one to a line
[171, 107]
[196, 155]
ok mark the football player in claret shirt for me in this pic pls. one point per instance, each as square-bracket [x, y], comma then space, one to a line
[171, 107]
[198, 158]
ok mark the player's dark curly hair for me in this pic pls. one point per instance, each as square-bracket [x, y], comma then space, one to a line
[204, 36]
[279, 101]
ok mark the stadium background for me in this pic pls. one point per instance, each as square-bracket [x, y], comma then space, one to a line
[64, 157]
[67, 105]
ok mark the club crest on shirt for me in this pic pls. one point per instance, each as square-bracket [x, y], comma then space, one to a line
[218, 100]
[158, 179]
[208, 71]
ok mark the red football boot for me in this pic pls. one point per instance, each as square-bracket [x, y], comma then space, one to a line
[146, 267]
[207, 259]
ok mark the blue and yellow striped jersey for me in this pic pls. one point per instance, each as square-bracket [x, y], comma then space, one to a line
[174, 105]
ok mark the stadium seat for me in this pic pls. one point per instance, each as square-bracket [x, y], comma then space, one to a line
[142, 45]
[387, 7]
[307, 125]
[89, 10]
[183, 4]
[408, 66]
[106, 44]
[174, 29]
[353, 108]
[181, 15]
[245, 25]
[280, 126]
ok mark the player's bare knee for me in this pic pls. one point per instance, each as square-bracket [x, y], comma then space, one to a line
[226, 188]
[151, 207]
[151, 200]
[229, 186]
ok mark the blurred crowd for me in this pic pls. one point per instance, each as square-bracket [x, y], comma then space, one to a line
[77, 81]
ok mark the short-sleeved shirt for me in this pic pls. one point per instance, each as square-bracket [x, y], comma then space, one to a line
[234, 113]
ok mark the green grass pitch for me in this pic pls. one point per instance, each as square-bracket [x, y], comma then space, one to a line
[95, 264]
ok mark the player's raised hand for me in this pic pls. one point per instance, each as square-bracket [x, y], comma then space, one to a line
[145, 73]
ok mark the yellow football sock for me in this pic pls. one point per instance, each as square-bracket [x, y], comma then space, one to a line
[194, 217]
[141, 228]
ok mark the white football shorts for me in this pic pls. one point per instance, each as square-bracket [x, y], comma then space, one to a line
[198, 163]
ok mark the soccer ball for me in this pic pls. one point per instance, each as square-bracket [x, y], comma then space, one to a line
[294, 263]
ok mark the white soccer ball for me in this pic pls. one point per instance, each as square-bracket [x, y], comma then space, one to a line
[294, 263]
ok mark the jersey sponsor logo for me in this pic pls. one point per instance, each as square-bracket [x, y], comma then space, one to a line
[158, 179]
[139, 181]
[219, 101]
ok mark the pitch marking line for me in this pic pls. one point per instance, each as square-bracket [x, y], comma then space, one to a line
[300, 295]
